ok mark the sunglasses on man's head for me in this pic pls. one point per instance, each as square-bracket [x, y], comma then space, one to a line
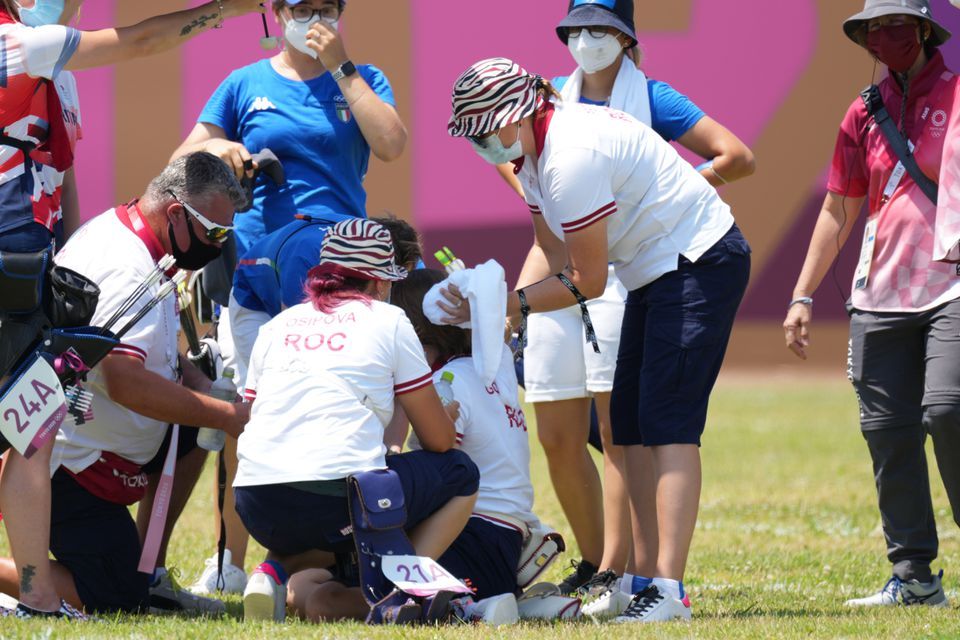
[213, 232]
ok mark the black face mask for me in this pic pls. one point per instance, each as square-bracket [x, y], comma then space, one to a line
[198, 254]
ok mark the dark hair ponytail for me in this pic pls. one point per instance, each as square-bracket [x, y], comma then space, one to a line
[408, 294]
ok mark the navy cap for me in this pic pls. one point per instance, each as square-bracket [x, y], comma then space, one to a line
[591, 13]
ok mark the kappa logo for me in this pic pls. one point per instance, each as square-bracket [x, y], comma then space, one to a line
[261, 103]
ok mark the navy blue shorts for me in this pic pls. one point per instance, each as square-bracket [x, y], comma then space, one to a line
[186, 443]
[289, 520]
[674, 336]
[97, 542]
[485, 557]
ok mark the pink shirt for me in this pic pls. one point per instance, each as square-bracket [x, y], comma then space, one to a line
[903, 276]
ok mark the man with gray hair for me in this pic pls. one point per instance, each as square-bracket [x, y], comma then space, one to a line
[99, 462]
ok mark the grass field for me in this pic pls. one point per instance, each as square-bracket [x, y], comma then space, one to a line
[788, 530]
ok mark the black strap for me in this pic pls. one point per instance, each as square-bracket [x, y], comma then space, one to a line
[221, 496]
[522, 331]
[874, 103]
[23, 145]
[591, 335]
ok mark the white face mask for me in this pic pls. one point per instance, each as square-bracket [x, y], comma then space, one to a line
[296, 34]
[594, 54]
[42, 12]
[494, 152]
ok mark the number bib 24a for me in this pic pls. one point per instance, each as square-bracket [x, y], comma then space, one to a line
[32, 408]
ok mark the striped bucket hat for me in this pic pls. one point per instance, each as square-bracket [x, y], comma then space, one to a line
[360, 248]
[490, 95]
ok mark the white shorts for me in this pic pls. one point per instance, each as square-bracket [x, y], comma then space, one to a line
[559, 363]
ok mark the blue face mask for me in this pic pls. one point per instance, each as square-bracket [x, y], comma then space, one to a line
[493, 151]
[43, 12]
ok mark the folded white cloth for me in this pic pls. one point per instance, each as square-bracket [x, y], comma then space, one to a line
[630, 93]
[485, 289]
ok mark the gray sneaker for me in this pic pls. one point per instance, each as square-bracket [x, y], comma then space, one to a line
[166, 596]
[910, 592]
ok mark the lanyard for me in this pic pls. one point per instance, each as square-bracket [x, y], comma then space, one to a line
[900, 170]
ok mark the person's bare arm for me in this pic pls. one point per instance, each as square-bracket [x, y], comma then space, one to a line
[131, 385]
[70, 204]
[830, 233]
[432, 423]
[153, 35]
[379, 122]
[213, 139]
[732, 159]
[586, 269]
[506, 172]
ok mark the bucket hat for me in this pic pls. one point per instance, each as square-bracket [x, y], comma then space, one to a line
[605, 13]
[853, 26]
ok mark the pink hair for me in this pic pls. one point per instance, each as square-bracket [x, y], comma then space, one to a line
[328, 287]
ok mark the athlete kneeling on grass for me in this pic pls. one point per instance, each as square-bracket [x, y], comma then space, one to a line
[492, 430]
[323, 378]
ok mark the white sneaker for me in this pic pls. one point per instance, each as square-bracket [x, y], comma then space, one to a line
[609, 604]
[234, 579]
[167, 596]
[652, 605]
[494, 611]
[912, 592]
[543, 601]
[264, 598]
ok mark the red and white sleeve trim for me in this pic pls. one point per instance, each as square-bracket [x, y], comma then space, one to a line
[249, 395]
[586, 221]
[498, 522]
[534, 209]
[130, 350]
[413, 385]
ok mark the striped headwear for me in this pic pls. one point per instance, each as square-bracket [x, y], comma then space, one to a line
[361, 249]
[490, 95]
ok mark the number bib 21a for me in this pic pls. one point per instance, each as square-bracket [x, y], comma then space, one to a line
[420, 576]
[33, 408]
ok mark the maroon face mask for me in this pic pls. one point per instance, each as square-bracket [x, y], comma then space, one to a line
[896, 46]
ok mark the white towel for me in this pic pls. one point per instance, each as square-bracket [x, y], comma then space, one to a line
[630, 93]
[485, 288]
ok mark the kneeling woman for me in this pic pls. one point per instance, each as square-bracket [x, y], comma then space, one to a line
[323, 378]
[492, 430]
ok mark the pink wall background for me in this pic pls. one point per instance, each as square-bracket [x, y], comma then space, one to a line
[454, 188]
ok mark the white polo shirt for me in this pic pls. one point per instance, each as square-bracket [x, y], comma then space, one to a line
[323, 387]
[597, 163]
[113, 256]
[492, 430]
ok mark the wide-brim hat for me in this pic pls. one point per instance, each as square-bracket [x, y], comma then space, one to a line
[362, 249]
[853, 25]
[605, 13]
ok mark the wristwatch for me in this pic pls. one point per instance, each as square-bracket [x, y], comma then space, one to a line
[344, 70]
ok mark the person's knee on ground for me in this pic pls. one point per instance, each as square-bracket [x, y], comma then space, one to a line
[300, 588]
[334, 601]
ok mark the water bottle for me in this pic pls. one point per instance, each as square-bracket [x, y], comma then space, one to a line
[222, 388]
[445, 388]
[449, 261]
